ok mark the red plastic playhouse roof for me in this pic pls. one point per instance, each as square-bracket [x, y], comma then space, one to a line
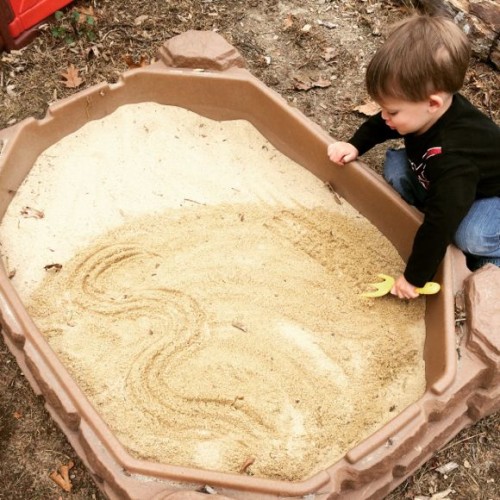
[19, 17]
[27, 13]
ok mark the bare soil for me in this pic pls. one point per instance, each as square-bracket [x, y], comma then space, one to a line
[313, 53]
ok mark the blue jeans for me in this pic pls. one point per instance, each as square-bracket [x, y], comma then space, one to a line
[478, 235]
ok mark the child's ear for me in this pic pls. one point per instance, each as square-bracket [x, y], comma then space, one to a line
[437, 101]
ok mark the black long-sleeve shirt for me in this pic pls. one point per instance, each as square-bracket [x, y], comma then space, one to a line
[458, 161]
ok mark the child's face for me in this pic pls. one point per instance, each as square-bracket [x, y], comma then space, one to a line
[409, 117]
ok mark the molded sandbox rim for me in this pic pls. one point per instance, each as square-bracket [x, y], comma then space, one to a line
[376, 465]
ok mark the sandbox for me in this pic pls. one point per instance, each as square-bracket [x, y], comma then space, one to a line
[198, 73]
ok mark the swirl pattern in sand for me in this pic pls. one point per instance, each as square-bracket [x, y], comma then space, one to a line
[210, 335]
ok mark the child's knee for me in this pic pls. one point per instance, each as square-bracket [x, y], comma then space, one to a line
[395, 170]
[395, 164]
[464, 241]
[471, 239]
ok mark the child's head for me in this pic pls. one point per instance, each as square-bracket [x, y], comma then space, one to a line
[423, 55]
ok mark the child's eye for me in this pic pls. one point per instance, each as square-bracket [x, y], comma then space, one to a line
[392, 113]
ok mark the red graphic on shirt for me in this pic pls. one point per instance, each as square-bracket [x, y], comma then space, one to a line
[420, 169]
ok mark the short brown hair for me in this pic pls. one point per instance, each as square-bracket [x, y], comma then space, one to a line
[421, 56]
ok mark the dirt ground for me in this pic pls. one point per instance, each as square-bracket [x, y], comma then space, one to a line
[313, 53]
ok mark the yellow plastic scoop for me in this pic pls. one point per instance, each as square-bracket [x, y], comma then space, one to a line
[384, 287]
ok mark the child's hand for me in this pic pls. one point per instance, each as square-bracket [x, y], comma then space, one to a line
[342, 152]
[403, 289]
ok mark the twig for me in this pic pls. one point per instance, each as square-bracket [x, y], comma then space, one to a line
[194, 201]
[461, 441]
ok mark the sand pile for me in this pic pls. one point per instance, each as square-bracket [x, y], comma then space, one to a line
[207, 301]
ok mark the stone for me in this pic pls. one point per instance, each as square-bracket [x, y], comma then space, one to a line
[482, 295]
[200, 50]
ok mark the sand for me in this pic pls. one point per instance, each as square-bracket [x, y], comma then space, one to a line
[203, 291]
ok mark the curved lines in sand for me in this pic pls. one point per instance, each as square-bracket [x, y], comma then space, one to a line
[207, 391]
[226, 333]
[99, 285]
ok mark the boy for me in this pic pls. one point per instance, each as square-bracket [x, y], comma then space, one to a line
[450, 167]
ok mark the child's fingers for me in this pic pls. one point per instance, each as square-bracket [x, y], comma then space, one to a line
[332, 152]
[336, 153]
[347, 158]
[341, 153]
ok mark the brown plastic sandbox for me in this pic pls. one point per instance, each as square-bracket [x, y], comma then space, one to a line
[199, 71]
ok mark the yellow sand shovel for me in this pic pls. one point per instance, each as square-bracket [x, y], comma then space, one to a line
[384, 287]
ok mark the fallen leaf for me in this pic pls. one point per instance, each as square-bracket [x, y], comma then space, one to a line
[322, 83]
[17, 415]
[288, 23]
[73, 80]
[32, 212]
[329, 53]
[239, 326]
[300, 84]
[444, 469]
[369, 108]
[327, 24]
[442, 495]
[93, 51]
[85, 15]
[129, 60]
[59, 480]
[61, 476]
[140, 19]
[248, 462]
[55, 268]
[87, 11]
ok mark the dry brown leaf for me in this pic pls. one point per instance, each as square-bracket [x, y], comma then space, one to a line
[64, 470]
[72, 77]
[59, 480]
[288, 22]
[442, 495]
[301, 84]
[369, 108]
[55, 268]
[85, 12]
[322, 83]
[93, 51]
[140, 19]
[248, 462]
[329, 53]
[61, 477]
[239, 326]
[130, 62]
[32, 212]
